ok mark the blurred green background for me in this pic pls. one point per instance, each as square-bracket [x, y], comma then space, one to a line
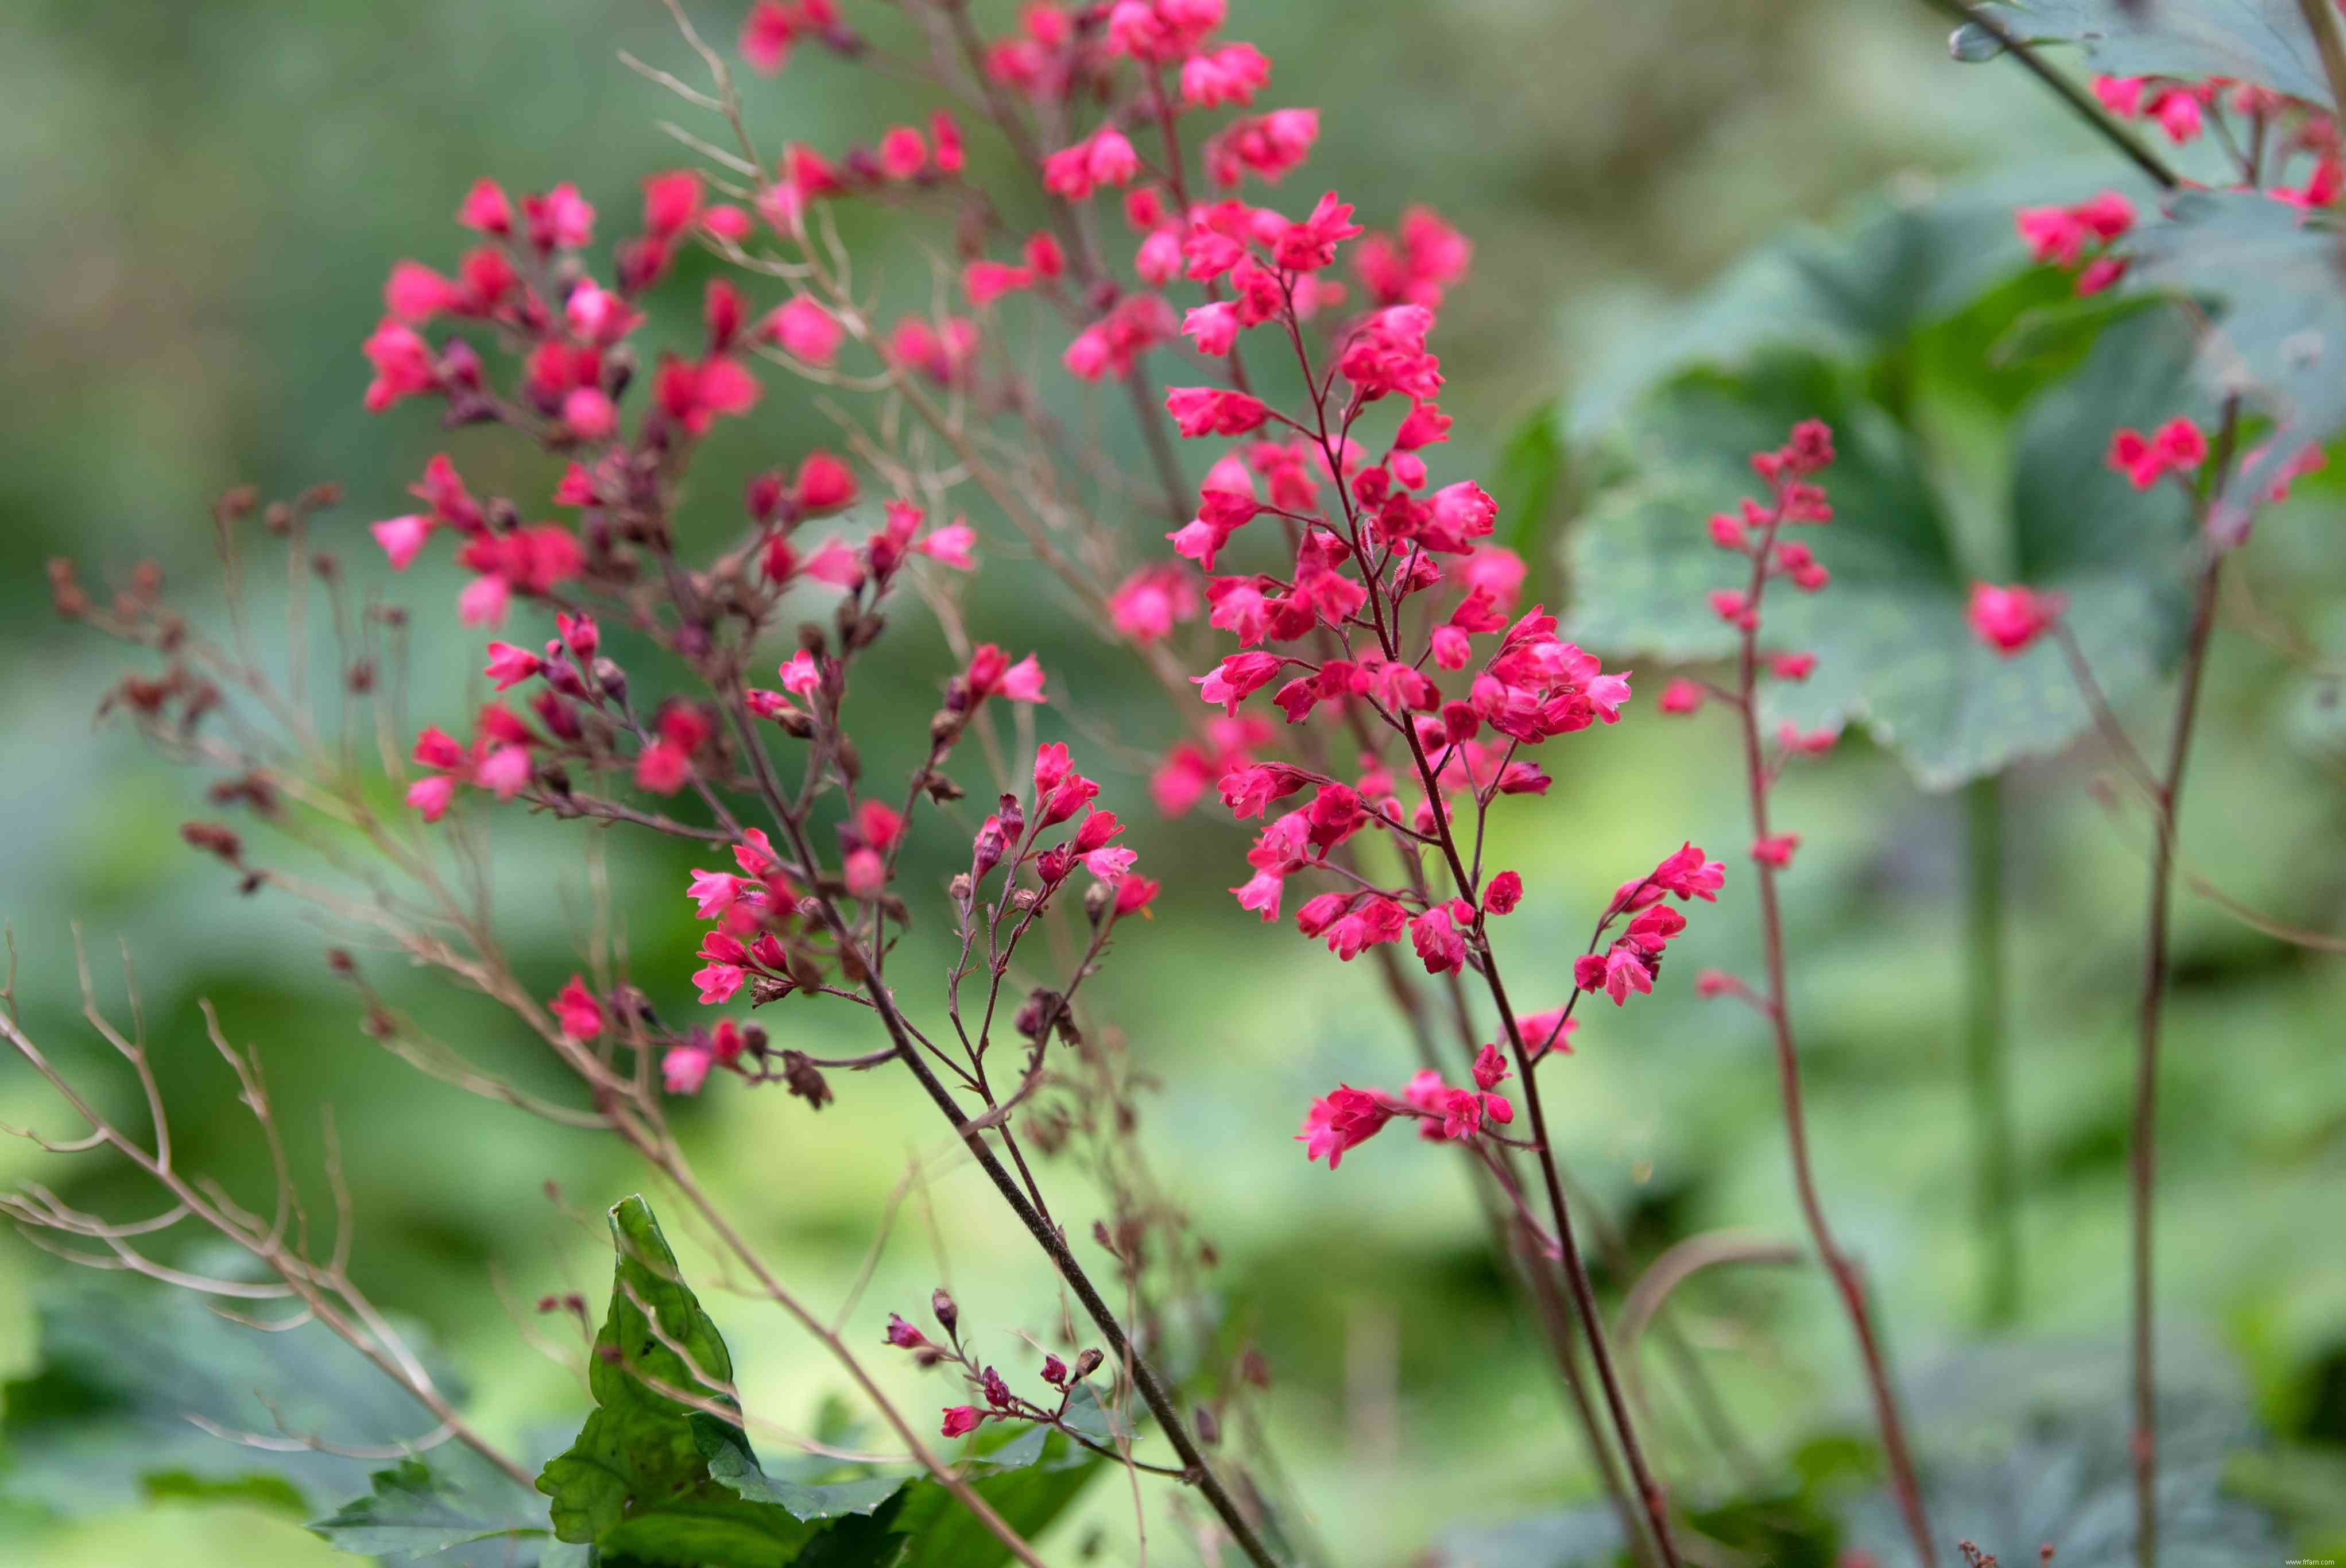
[200, 203]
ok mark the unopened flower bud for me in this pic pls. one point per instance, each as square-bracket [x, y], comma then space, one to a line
[942, 1305]
[1086, 1364]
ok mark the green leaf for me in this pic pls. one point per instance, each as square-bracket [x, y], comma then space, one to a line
[2262, 41]
[1902, 263]
[125, 1372]
[423, 1507]
[1895, 652]
[945, 1534]
[733, 1466]
[2277, 281]
[2065, 1479]
[1572, 1538]
[1529, 476]
[636, 1482]
[268, 1492]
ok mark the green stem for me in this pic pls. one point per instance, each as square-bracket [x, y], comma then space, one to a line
[1996, 1191]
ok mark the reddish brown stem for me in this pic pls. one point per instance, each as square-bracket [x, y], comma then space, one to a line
[1777, 1009]
[2142, 1152]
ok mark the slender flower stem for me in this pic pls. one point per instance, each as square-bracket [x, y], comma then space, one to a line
[1046, 1235]
[1758, 777]
[2142, 1155]
[1329, 440]
[2136, 151]
[1556, 1317]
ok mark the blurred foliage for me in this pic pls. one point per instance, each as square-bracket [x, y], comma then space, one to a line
[205, 201]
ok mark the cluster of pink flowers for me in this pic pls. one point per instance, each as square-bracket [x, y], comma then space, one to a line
[1350, 1117]
[1628, 963]
[1011, 838]
[1001, 1403]
[1754, 531]
[2061, 236]
[2010, 618]
[2179, 447]
[2178, 107]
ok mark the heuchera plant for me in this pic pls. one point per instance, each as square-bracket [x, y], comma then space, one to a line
[1365, 689]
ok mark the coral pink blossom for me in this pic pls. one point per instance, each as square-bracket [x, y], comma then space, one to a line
[2008, 619]
[432, 796]
[685, 1068]
[401, 537]
[805, 330]
[577, 1011]
[1341, 1121]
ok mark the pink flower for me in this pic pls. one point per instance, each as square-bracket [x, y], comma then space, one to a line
[1504, 894]
[403, 364]
[1685, 873]
[486, 209]
[1148, 603]
[509, 666]
[2008, 619]
[414, 293]
[1776, 849]
[1215, 327]
[718, 981]
[1105, 158]
[2176, 111]
[432, 796]
[671, 202]
[1437, 940]
[1237, 678]
[401, 537]
[483, 601]
[985, 281]
[1261, 892]
[1022, 681]
[504, 772]
[961, 1420]
[1617, 973]
[950, 545]
[2122, 96]
[1546, 1031]
[685, 1068]
[903, 1335]
[1341, 1121]
[803, 329]
[663, 767]
[903, 153]
[1681, 695]
[576, 1011]
[1211, 410]
[2050, 233]
[1791, 666]
[712, 892]
[1232, 74]
[767, 34]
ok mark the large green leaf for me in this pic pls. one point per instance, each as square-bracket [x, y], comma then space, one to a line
[2065, 1479]
[653, 1480]
[126, 1370]
[425, 1507]
[1901, 263]
[2276, 281]
[1895, 652]
[2262, 41]
[945, 1534]
[636, 1482]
